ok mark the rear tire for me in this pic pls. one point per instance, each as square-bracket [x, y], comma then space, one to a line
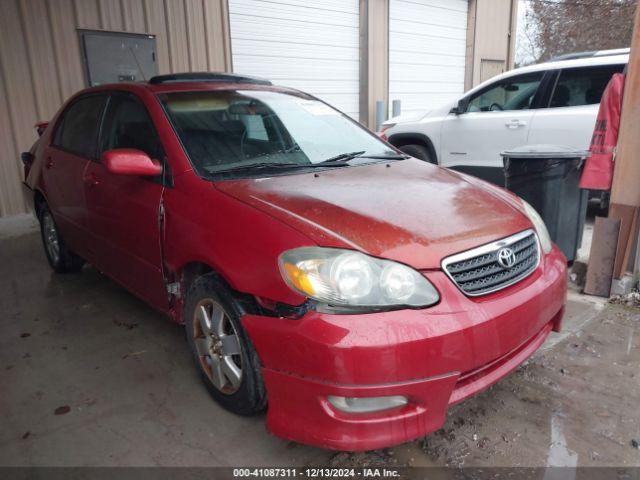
[60, 257]
[418, 151]
[224, 356]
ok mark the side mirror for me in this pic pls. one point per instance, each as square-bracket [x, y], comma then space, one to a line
[129, 161]
[460, 108]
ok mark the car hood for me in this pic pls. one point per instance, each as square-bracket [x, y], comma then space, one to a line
[409, 211]
[411, 118]
[406, 118]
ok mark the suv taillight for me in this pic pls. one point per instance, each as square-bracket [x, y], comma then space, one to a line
[383, 129]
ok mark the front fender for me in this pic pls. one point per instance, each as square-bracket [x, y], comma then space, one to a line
[238, 241]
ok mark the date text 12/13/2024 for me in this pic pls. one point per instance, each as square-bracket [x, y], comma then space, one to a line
[317, 472]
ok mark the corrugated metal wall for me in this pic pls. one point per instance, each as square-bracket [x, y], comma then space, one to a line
[40, 61]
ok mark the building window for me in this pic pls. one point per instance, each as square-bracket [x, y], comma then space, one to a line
[112, 57]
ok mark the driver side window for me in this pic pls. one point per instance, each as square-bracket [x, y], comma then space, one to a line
[514, 93]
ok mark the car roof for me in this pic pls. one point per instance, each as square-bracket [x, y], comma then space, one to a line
[576, 62]
[189, 86]
[593, 53]
[210, 86]
[604, 57]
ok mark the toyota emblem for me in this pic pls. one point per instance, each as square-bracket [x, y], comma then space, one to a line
[506, 258]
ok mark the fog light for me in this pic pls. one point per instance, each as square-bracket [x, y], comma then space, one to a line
[367, 404]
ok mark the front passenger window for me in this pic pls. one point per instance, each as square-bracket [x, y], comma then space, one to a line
[127, 125]
[513, 93]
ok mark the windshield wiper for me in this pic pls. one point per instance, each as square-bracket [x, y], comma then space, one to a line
[342, 158]
[389, 156]
[271, 166]
[336, 161]
[346, 157]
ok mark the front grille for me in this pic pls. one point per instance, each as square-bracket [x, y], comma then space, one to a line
[479, 271]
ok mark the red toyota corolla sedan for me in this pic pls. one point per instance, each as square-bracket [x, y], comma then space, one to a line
[351, 291]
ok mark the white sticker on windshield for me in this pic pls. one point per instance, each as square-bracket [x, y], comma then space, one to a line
[316, 108]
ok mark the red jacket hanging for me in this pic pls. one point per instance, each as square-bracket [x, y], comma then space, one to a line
[598, 171]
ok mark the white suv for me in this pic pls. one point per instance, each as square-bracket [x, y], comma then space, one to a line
[549, 103]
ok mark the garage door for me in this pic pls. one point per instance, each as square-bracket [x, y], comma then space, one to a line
[427, 44]
[310, 45]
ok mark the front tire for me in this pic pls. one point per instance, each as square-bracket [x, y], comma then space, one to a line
[223, 353]
[418, 151]
[60, 257]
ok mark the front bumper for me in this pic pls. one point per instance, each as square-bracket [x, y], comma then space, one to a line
[436, 357]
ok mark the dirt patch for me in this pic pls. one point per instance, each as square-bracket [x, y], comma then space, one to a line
[63, 410]
[630, 299]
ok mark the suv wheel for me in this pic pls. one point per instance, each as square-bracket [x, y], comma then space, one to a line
[61, 259]
[418, 151]
[223, 353]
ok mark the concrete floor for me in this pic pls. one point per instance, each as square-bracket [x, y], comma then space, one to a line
[83, 344]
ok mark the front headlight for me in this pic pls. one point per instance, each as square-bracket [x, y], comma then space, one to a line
[346, 278]
[541, 228]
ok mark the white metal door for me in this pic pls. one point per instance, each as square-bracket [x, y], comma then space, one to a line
[567, 126]
[427, 46]
[305, 44]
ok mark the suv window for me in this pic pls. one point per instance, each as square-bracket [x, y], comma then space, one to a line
[582, 86]
[513, 93]
[77, 131]
[128, 125]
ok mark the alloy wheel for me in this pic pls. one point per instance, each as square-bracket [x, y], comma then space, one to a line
[218, 346]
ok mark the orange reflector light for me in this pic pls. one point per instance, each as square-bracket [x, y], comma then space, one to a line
[299, 278]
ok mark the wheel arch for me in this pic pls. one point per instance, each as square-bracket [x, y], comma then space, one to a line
[249, 395]
[192, 270]
[38, 201]
[400, 139]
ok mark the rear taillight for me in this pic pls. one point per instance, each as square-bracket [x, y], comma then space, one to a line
[41, 127]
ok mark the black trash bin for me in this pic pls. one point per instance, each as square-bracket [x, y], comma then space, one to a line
[547, 177]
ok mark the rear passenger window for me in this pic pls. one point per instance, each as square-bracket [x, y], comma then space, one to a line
[127, 125]
[582, 86]
[77, 131]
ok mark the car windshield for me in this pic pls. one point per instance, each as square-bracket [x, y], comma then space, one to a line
[257, 130]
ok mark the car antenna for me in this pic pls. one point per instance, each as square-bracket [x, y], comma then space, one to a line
[144, 79]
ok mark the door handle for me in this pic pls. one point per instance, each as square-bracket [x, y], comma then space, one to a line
[48, 163]
[515, 123]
